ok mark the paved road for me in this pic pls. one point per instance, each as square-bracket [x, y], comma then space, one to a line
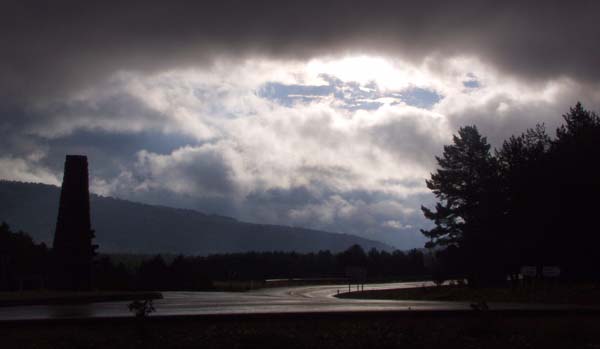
[273, 300]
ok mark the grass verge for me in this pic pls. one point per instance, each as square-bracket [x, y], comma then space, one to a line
[558, 294]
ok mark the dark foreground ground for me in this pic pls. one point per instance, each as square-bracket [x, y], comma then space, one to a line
[543, 294]
[467, 329]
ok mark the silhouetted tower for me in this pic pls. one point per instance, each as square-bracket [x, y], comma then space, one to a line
[72, 248]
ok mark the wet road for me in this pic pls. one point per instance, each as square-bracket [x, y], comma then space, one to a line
[272, 300]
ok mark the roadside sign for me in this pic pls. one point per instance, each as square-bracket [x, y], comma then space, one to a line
[551, 271]
[528, 271]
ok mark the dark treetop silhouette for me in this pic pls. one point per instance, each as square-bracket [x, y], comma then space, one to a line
[72, 247]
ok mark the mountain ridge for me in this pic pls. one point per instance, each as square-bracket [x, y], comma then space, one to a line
[124, 226]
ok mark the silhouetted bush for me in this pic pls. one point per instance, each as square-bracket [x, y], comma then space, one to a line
[23, 263]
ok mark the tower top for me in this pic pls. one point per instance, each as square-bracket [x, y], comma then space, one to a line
[74, 157]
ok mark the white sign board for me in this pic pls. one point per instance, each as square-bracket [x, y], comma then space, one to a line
[551, 272]
[529, 271]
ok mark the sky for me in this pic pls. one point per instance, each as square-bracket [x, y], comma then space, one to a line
[320, 114]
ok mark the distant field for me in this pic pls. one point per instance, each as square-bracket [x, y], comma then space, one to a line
[330, 330]
[568, 294]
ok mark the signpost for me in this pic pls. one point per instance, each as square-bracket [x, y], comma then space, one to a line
[356, 275]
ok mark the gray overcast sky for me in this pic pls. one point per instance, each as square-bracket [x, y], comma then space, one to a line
[325, 114]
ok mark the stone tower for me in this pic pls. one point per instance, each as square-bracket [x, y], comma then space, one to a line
[72, 248]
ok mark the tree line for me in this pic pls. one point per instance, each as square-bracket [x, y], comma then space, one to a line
[534, 201]
[25, 264]
[199, 272]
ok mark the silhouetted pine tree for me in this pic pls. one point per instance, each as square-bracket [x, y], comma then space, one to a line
[523, 162]
[468, 211]
[574, 235]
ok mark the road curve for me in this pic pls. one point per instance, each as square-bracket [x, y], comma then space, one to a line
[270, 300]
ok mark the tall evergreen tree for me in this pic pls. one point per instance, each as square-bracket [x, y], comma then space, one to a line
[523, 162]
[573, 238]
[580, 124]
[465, 170]
[466, 185]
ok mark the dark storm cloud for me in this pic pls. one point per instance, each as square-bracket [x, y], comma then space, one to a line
[61, 116]
[109, 152]
[201, 170]
[155, 142]
[50, 46]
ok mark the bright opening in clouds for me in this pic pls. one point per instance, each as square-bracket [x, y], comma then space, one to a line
[363, 70]
[332, 127]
